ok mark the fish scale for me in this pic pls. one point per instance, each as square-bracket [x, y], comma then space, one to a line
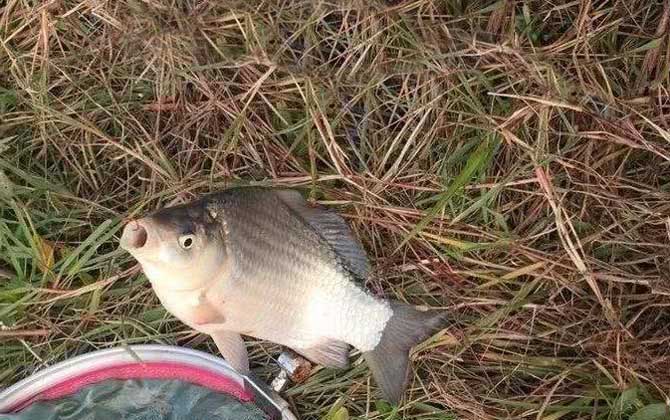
[285, 280]
[286, 258]
[263, 248]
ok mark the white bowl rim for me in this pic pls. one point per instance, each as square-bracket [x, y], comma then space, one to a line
[44, 379]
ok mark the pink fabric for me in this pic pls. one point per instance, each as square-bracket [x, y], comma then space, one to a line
[157, 370]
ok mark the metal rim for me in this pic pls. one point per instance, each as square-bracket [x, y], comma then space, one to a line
[46, 378]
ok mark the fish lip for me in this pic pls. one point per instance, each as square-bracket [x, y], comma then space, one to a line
[135, 236]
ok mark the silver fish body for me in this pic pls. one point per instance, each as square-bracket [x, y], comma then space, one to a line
[291, 276]
[263, 263]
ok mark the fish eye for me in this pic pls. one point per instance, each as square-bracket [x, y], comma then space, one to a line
[186, 241]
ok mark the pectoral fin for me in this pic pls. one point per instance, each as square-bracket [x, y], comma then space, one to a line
[206, 314]
[231, 346]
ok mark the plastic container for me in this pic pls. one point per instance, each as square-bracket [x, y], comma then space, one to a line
[142, 362]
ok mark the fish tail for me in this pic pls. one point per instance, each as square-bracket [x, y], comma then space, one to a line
[389, 360]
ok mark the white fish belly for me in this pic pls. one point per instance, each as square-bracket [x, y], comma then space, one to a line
[331, 309]
[347, 314]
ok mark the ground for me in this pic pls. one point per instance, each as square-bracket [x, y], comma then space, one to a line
[506, 161]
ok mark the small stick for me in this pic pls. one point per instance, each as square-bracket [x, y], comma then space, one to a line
[9, 334]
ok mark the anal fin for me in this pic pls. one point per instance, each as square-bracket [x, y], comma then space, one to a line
[331, 353]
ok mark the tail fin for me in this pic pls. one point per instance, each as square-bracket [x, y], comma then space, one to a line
[389, 361]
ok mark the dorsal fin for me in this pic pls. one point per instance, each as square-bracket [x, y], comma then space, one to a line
[333, 229]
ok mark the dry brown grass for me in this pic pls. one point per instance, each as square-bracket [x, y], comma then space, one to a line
[507, 161]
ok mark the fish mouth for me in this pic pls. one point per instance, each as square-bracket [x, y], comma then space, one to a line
[135, 235]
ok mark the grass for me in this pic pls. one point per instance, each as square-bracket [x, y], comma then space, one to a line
[507, 161]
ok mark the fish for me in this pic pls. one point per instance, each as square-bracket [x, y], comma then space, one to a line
[265, 263]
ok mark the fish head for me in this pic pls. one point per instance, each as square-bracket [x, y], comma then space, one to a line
[180, 247]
